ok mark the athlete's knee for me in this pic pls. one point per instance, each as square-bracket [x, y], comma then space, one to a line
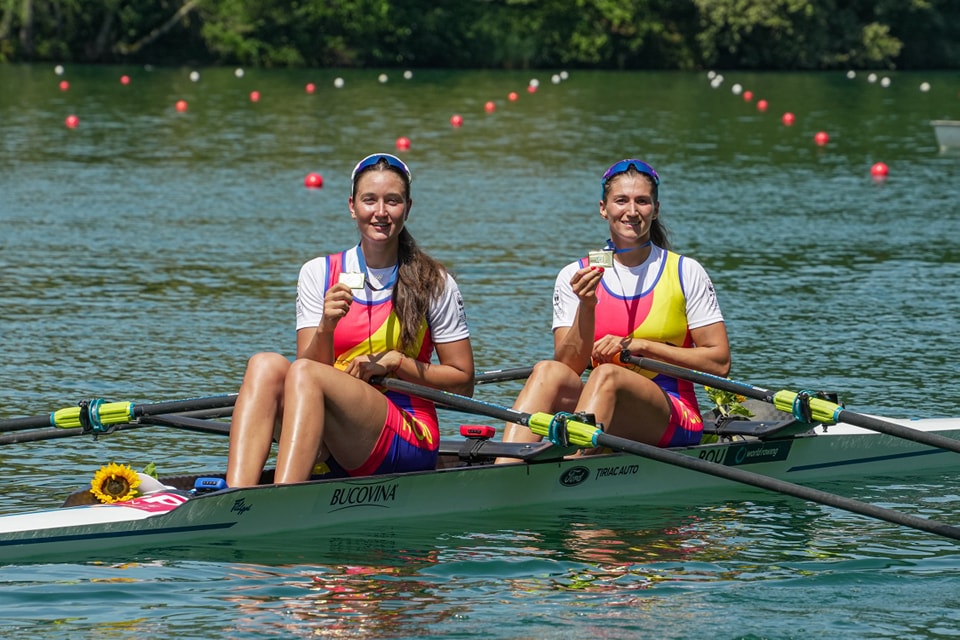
[552, 373]
[607, 374]
[267, 367]
[306, 371]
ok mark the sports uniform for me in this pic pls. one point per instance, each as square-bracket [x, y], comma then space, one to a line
[662, 299]
[410, 437]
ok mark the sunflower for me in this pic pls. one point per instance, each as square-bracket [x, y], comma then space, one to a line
[115, 483]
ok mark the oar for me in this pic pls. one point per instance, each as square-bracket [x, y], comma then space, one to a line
[66, 422]
[820, 410]
[115, 413]
[97, 415]
[563, 429]
[503, 375]
[186, 422]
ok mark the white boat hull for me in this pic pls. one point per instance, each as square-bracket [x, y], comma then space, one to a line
[947, 132]
[167, 519]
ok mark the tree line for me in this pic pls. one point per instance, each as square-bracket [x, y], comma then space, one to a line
[508, 34]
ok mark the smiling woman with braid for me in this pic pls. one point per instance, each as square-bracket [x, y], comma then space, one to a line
[380, 308]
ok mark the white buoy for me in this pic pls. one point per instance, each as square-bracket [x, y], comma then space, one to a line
[338, 83]
[851, 74]
[407, 74]
[58, 69]
[238, 72]
[382, 78]
[884, 82]
[737, 89]
[564, 75]
[534, 82]
[924, 86]
[872, 78]
[194, 76]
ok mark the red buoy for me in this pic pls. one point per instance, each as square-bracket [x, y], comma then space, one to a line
[124, 79]
[181, 105]
[788, 118]
[311, 87]
[490, 106]
[456, 120]
[879, 170]
[64, 85]
[313, 181]
[762, 105]
[821, 138]
[254, 96]
[747, 96]
[531, 88]
[512, 96]
[403, 143]
[72, 121]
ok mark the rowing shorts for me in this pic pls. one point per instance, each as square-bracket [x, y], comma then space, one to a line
[685, 428]
[392, 453]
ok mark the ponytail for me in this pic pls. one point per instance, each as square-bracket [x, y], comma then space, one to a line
[420, 281]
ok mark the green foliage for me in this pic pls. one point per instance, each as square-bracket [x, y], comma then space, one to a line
[614, 34]
[727, 403]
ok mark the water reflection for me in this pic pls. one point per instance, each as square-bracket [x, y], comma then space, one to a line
[404, 581]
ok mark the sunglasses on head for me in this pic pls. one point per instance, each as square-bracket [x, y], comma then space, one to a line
[373, 159]
[623, 166]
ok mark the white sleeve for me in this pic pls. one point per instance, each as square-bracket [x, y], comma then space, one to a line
[702, 305]
[311, 289]
[565, 301]
[446, 317]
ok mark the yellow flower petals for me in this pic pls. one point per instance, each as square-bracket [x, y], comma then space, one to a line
[115, 483]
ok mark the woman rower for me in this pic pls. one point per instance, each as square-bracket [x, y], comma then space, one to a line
[646, 299]
[380, 308]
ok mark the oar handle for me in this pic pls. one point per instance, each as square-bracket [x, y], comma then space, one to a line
[818, 409]
[502, 375]
[706, 379]
[579, 432]
[452, 400]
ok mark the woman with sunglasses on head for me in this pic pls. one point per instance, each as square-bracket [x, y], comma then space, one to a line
[648, 300]
[380, 308]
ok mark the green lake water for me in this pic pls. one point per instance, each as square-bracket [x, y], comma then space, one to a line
[145, 254]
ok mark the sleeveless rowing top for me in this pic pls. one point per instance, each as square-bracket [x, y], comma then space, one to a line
[658, 314]
[372, 326]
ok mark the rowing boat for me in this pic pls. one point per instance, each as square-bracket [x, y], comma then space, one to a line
[947, 132]
[173, 514]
